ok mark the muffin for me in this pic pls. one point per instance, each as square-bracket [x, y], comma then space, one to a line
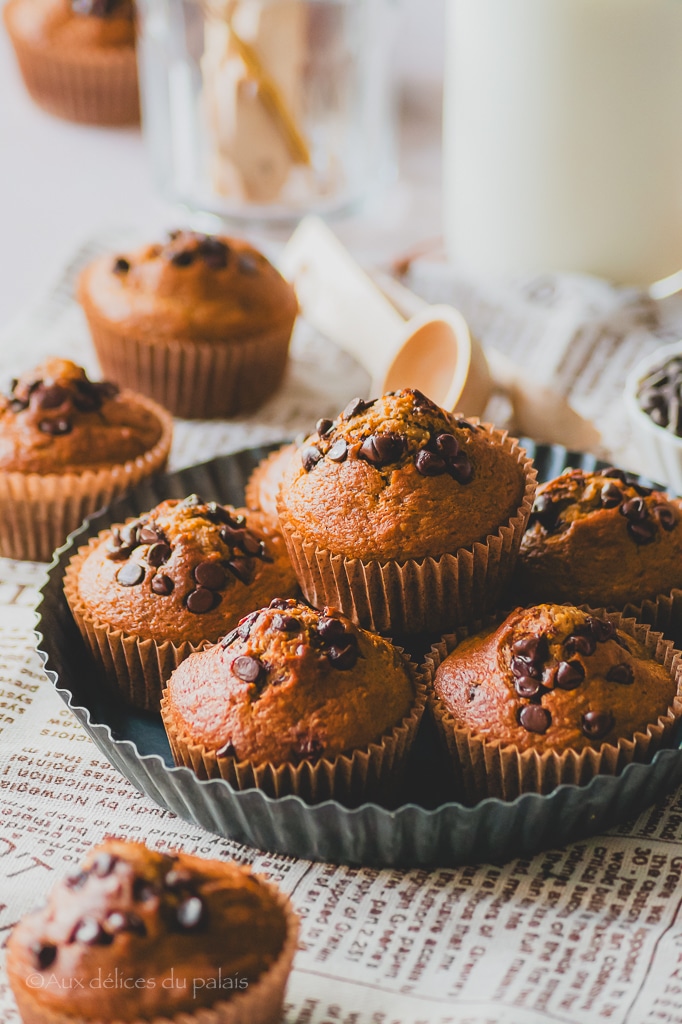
[77, 57]
[147, 593]
[601, 539]
[263, 485]
[554, 694]
[201, 323]
[68, 446]
[296, 701]
[179, 938]
[406, 517]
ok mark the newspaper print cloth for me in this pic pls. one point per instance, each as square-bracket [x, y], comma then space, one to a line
[588, 934]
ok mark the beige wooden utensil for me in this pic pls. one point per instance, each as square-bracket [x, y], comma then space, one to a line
[433, 351]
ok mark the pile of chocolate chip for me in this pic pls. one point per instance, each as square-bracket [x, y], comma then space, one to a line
[533, 677]
[54, 403]
[660, 395]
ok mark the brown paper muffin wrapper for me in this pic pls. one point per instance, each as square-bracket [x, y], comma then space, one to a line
[38, 511]
[263, 484]
[195, 379]
[488, 768]
[663, 613]
[97, 87]
[260, 1003]
[420, 595]
[374, 774]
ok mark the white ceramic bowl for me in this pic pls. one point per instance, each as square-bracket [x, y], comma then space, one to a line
[660, 450]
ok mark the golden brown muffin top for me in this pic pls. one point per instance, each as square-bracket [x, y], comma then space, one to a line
[178, 919]
[602, 539]
[56, 420]
[77, 25]
[193, 287]
[553, 677]
[290, 684]
[399, 478]
[187, 570]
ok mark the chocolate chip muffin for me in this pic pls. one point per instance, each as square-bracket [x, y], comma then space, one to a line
[553, 694]
[405, 516]
[601, 539]
[296, 701]
[200, 323]
[77, 57]
[147, 593]
[68, 446]
[173, 934]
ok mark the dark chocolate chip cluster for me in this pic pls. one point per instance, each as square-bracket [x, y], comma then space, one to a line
[209, 576]
[660, 395]
[536, 674]
[55, 403]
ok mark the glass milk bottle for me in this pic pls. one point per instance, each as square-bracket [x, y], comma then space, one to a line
[563, 137]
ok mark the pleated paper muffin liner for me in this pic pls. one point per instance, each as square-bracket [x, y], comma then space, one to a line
[418, 595]
[195, 379]
[488, 768]
[375, 773]
[95, 87]
[261, 490]
[260, 1003]
[38, 511]
[662, 613]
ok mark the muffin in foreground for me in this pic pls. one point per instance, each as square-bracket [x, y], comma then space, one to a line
[147, 593]
[201, 323]
[601, 539]
[405, 516]
[553, 694]
[68, 446]
[187, 938]
[77, 57]
[296, 701]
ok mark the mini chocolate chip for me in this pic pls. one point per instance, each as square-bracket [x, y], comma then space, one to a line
[615, 474]
[535, 718]
[232, 535]
[247, 668]
[344, 657]
[148, 535]
[183, 258]
[229, 639]
[546, 512]
[447, 445]
[130, 575]
[158, 553]
[213, 252]
[55, 427]
[200, 600]
[429, 464]
[596, 724]
[210, 575]
[227, 750]
[330, 629]
[91, 933]
[611, 495]
[323, 427]
[217, 513]
[338, 451]
[600, 630]
[191, 914]
[622, 674]
[129, 534]
[569, 675]
[49, 397]
[635, 510]
[251, 544]
[247, 264]
[124, 921]
[525, 686]
[242, 569]
[286, 623]
[666, 516]
[531, 649]
[580, 644]
[121, 265]
[354, 408]
[526, 668]
[310, 456]
[642, 533]
[103, 865]
[191, 501]
[44, 954]
[460, 468]
[383, 449]
[162, 585]
[281, 603]
[245, 624]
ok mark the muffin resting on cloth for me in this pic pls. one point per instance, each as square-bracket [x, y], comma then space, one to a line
[553, 694]
[200, 323]
[68, 446]
[77, 57]
[405, 516]
[148, 593]
[180, 933]
[294, 700]
[601, 539]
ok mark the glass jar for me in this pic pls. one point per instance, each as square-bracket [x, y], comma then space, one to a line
[267, 108]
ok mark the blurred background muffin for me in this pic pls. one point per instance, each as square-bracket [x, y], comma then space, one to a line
[68, 446]
[200, 323]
